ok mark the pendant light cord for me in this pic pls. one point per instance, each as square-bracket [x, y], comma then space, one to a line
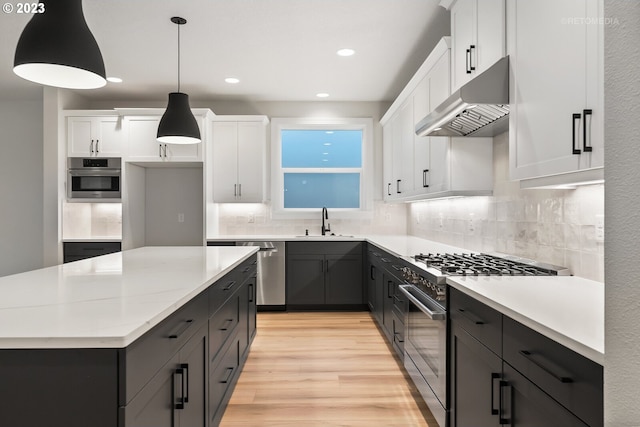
[178, 58]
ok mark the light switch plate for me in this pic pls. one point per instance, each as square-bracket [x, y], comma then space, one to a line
[599, 228]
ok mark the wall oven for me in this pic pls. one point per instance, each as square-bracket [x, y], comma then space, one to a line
[425, 341]
[94, 178]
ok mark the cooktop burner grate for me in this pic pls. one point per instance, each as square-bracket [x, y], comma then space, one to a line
[485, 265]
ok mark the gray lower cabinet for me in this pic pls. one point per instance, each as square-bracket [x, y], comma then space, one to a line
[75, 251]
[324, 275]
[504, 373]
[180, 373]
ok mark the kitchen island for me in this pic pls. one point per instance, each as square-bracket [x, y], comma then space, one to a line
[136, 338]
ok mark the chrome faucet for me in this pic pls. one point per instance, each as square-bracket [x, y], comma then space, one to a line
[325, 215]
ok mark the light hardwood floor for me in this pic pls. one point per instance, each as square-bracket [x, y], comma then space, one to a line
[323, 369]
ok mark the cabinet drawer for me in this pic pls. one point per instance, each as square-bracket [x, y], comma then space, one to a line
[248, 268]
[149, 353]
[573, 380]
[223, 372]
[223, 324]
[223, 289]
[480, 321]
[324, 248]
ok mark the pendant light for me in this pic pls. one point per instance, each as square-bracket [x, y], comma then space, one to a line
[56, 48]
[178, 126]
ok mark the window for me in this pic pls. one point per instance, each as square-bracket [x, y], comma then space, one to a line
[320, 163]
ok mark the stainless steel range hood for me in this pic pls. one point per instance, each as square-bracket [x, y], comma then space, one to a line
[479, 108]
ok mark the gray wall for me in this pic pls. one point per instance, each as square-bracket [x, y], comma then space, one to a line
[21, 186]
[170, 192]
[622, 213]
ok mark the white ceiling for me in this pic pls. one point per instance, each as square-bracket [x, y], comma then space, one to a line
[281, 50]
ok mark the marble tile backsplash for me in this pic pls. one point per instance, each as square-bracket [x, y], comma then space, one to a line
[91, 220]
[553, 226]
[234, 219]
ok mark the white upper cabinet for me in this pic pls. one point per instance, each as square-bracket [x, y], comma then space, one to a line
[94, 136]
[418, 168]
[477, 38]
[239, 150]
[144, 147]
[556, 132]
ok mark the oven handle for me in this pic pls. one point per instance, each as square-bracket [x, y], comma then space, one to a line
[433, 314]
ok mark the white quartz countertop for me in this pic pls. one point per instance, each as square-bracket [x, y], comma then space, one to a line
[107, 301]
[567, 309]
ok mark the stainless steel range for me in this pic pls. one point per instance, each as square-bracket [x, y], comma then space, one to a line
[426, 323]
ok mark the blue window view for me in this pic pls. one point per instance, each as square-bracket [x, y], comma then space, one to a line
[315, 190]
[321, 148]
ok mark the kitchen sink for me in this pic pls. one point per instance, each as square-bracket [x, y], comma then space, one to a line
[327, 236]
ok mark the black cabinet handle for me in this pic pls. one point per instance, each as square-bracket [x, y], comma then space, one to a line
[235, 190]
[587, 148]
[471, 317]
[388, 189]
[398, 186]
[229, 286]
[548, 366]
[180, 404]
[91, 147]
[468, 55]
[160, 150]
[471, 67]
[372, 272]
[396, 267]
[385, 260]
[494, 410]
[506, 402]
[229, 375]
[425, 184]
[576, 116]
[389, 286]
[97, 146]
[226, 324]
[182, 329]
[251, 288]
[185, 390]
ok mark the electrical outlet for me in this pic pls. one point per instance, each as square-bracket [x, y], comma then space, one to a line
[471, 225]
[180, 217]
[599, 228]
[251, 218]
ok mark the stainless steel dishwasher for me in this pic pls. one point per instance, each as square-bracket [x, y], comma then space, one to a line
[271, 274]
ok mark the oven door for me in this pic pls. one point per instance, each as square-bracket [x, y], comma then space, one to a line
[426, 349]
[93, 184]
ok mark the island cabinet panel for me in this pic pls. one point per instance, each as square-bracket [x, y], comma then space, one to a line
[180, 373]
[145, 357]
[65, 387]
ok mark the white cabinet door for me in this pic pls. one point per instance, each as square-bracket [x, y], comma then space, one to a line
[239, 149]
[144, 147]
[387, 161]
[89, 136]
[225, 162]
[251, 157]
[478, 38]
[421, 160]
[406, 154]
[463, 37]
[556, 77]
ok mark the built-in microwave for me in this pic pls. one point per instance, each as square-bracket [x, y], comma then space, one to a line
[94, 178]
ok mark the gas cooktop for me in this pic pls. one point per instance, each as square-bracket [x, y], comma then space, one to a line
[481, 264]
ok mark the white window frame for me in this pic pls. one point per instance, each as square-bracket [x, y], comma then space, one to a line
[279, 124]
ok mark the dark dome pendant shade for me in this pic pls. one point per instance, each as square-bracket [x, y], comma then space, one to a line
[178, 125]
[56, 48]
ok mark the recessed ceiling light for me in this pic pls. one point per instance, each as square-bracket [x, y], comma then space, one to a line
[346, 52]
[232, 80]
[325, 160]
[326, 154]
[114, 79]
[329, 132]
[322, 95]
[327, 143]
